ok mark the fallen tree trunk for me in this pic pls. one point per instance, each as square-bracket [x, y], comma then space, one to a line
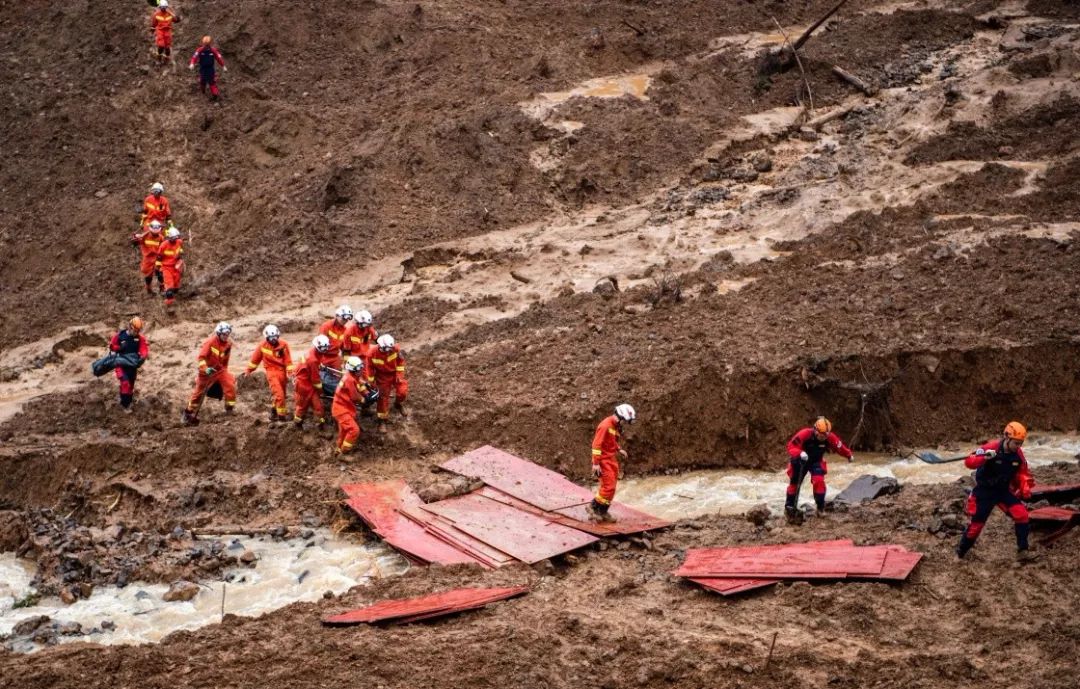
[854, 81]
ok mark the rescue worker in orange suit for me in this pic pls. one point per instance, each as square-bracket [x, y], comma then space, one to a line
[388, 373]
[156, 206]
[606, 452]
[129, 340]
[806, 454]
[351, 391]
[213, 368]
[149, 242]
[308, 392]
[335, 328]
[360, 336]
[170, 264]
[273, 353]
[1002, 479]
[161, 26]
[207, 56]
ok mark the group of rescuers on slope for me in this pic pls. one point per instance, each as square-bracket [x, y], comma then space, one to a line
[374, 369]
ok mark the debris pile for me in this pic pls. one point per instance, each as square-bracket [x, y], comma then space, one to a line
[522, 513]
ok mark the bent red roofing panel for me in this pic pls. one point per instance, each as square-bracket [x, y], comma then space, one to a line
[728, 587]
[378, 504]
[424, 607]
[527, 537]
[520, 478]
[1040, 491]
[798, 561]
[1053, 514]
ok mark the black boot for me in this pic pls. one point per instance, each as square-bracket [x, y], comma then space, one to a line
[964, 546]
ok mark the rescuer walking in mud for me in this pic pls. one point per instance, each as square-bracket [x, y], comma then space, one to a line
[213, 375]
[155, 206]
[335, 328]
[170, 264]
[149, 242]
[273, 353]
[128, 341]
[207, 58]
[351, 391]
[360, 336]
[388, 373]
[161, 26]
[806, 455]
[606, 452]
[308, 382]
[1002, 479]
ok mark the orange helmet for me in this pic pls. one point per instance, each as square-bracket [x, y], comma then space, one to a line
[822, 425]
[206, 40]
[1015, 430]
[136, 324]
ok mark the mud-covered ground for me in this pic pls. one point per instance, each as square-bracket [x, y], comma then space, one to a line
[706, 245]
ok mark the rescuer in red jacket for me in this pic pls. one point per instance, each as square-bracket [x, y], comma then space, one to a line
[1002, 479]
[309, 387]
[213, 368]
[606, 452]
[806, 455]
[276, 358]
[130, 340]
[351, 391]
[335, 328]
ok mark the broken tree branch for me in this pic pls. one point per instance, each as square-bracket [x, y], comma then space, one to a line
[639, 32]
[854, 81]
[814, 27]
[834, 114]
[795, 52]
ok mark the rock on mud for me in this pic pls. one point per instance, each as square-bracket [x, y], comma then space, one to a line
[868, 487]
[181, 591]
[758, 515]
[13, 531]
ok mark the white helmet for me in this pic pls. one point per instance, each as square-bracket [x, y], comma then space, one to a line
[163, 4]
[626, 413]
[173, 233]
[364, 319]
[158, 187]
[354, 364]
[156, 225]
[385, 342]
[321, 343]
[223, 328]
[271, 332]
[344, 312]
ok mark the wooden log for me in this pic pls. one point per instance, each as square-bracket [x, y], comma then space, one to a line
[854, 81]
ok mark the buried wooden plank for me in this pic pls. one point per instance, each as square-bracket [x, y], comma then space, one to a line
[424, 607]
[525, 536]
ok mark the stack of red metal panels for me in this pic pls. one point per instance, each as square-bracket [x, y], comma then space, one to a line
[425, 607]
[734, 570]
[1056, 493]
[524, 513]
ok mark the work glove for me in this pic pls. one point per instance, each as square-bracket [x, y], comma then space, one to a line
[224, 69]
[620, 473]
[988, 454]
[596, 470]
[803, 456]
[209, 371]
[851, 459]
[622, 453]
[191, 67]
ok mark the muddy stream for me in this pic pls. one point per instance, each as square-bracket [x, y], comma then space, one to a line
[303, 570]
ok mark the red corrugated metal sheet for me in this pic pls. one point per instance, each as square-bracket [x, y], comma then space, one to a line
[527, 537]
[729, 587]
[520, 478]
[1039, 492]
[1053, 514]
[378, 505]
[425, 607]
[521, 481]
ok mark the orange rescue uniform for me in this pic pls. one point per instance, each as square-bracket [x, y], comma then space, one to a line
[162, 22]
[277, 362]
[150, 245]
[308, 390]
[336, 334]
[156, 208]
[350, 392]
[360, 341]
[213, 354]
[387, 370]
[605, 454]
[171, 266]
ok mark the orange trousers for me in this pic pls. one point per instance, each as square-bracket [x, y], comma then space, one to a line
[172, 277]
[400, 388]
[203, 383]
[276, 378]
[305, 397]
[148, 265]
[609, 478]
[348, 431]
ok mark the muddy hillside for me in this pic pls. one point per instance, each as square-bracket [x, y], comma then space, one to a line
[554, 207]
